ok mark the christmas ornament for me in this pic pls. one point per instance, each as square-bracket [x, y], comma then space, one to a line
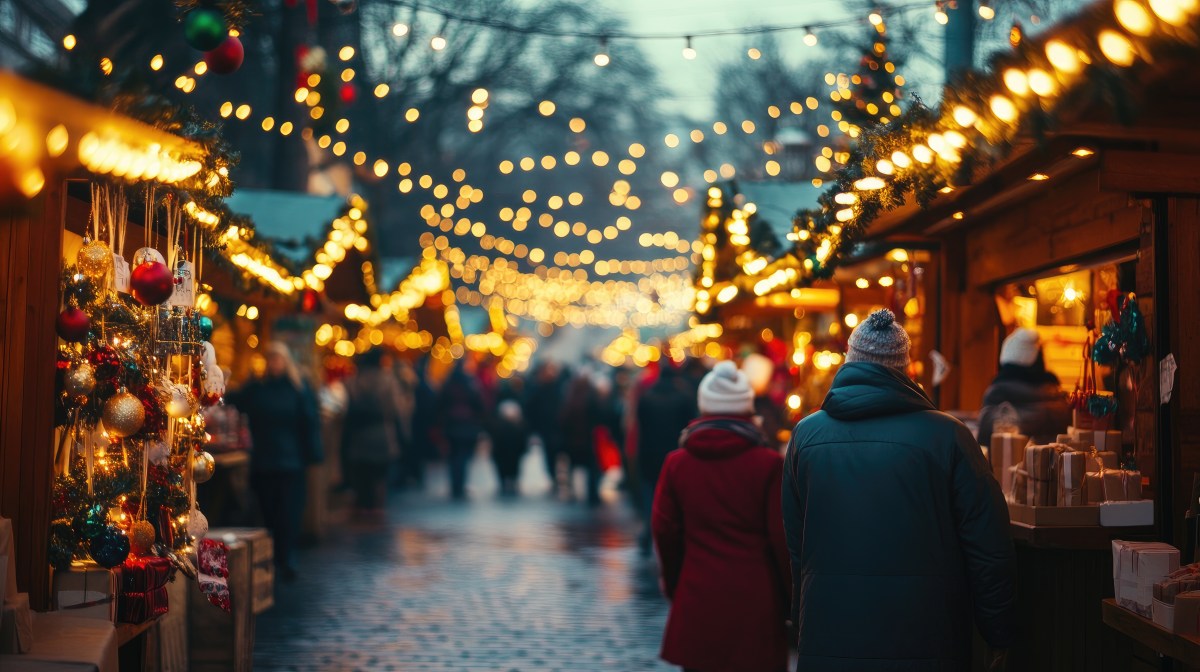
[203, 467]
[141, 537]
[156, 418]
[109, 548]
[89, 522]
[213, 385]
[227, 57]
[181, 403]
[123, 415]
[197, 525]
[80, 380]
[72, 325]
[206, 328]
[145, 254]
[152, 283]
[158, 453]
[62, 545]
[106, 362]
[348, 93]
[314, 60]
[204, 29]
[1132, 329]
[95, 260]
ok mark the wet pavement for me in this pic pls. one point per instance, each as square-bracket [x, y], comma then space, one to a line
[522, 584]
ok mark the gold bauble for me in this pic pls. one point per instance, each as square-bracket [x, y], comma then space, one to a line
[80, 380]
[123, 415]
[141, 537]
[203, 467]
[95, 260]
[181, 403]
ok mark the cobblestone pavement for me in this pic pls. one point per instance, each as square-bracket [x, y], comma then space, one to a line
[525, 584]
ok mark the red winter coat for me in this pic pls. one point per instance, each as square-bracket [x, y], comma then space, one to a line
[719, 532]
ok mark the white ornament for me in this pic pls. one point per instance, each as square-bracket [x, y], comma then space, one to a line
[145, 254]
[197, 525]
[181, 403]
[158, 452]
[214, 378]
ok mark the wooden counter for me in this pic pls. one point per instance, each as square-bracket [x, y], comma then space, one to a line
[1177, 647]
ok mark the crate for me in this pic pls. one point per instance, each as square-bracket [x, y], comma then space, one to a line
[217, 641]
[262, 561]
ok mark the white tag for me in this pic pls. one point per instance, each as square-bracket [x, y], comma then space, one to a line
[941, 367]
[120, 274]
[1166, 378]
[185, 286]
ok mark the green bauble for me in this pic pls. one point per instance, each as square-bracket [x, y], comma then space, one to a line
[204, 29]
[90, 521]
[109, 548]
[206, 328]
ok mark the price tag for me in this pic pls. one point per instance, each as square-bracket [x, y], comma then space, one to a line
[185, 286]
[120, 273]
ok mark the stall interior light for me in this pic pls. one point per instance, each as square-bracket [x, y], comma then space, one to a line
[958, 215]
[1038, 177]
[1083, 152]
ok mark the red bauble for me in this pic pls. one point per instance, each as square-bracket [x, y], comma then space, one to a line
[73, 325]
[227, 57]
[156, 418]
[349, 93]
[106, 363]
[152, 283]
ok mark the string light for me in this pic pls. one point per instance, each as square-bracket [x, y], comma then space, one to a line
[689, 53]
[810, 38]
[601, 59]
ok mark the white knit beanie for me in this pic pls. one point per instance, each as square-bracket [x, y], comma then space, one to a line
[726, 391]
[880, 340]
[1020, 348]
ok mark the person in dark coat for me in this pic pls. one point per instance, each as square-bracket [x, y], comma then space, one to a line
[285, 428]
[510, 436]
[897, 530]
[1034, 393]
[461, 416]
[370, 431]
[663, 411]
[718, 529]
[579, 420]
[543, 408]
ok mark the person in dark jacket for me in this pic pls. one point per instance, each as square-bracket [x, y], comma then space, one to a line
[663, 411]
[285, 428]
[543, 408]
[718, 528]
[370, 431]
[897, 530]
[1034, 393]
[461, 416]
[510, 436]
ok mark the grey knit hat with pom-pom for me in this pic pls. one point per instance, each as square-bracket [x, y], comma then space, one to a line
[880, 340]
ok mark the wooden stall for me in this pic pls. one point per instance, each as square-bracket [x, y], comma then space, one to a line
[1096, 209]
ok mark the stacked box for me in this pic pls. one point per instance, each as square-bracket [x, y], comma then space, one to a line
[1137, 567]
[87, 590]
[262, 562]
[1007, 451]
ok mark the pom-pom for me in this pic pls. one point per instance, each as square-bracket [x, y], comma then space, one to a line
[879, 320]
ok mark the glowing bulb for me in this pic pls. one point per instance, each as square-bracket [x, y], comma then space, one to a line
[810, 38]
[964, 116]
[1003, 108]
[688, 52]
[438, 43]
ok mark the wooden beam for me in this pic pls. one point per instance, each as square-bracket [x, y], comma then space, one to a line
[1149, 172]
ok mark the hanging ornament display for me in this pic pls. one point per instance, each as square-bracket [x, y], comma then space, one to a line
[182, 403]
[72, 325]
[158, 453]
[203, 467]
[62, 545]
[109, 548]
[141, 537]
[80, 380]
[197, 525]
[90, 521]
[123, 415]
[227, 57]
[204, 29]
[206, 328]
[152, 283]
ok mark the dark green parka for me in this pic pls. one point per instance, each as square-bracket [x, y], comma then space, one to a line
[897, 531]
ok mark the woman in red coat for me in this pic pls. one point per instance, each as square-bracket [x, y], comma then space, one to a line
[719, 532]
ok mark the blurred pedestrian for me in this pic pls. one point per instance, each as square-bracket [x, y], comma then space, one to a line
[460, 415]
[370, 430]
[1033, 392]
[878, 467]
[579, 423]
[663, 411]
[408, 467]
[424, 410]
[543, 408]
[510, 436]
[719, 533]
[286, 430]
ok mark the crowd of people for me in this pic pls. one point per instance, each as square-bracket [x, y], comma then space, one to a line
[881, 516]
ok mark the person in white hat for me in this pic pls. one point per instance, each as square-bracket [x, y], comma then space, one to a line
[719, 533]
[1024, 384]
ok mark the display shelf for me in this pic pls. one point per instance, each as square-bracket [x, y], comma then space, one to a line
[1182, 648]
[127, 632]
[1091, 537]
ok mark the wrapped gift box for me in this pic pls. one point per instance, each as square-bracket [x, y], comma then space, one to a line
[1070, 472]
[1007, 451]
[1137, 567]
[1127, 514]
[1054, 516]
[1113, 486]
[1102, 461]
[143, 589]
[62, 642]
[16, 625]
[87, 590]
[1186, 613]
